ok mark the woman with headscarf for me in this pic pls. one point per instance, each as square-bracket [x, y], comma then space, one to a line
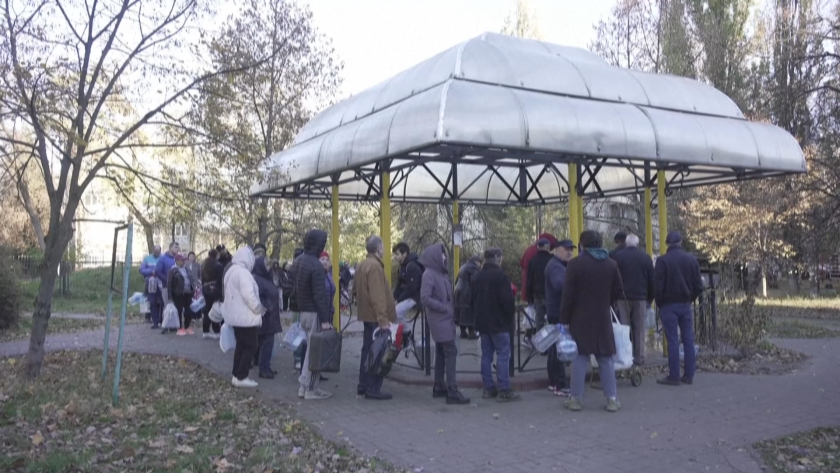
[438, 301]
[243, 312]
[270, 299]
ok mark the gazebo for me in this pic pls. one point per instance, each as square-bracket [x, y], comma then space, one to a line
[499, 120]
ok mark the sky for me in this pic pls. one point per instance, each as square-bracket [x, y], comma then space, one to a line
[377, 39]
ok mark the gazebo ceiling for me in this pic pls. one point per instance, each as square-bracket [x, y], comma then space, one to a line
[493, 121]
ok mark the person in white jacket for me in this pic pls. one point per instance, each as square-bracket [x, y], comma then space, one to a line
[243, 312]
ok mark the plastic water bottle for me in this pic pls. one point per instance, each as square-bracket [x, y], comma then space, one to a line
[137, 298]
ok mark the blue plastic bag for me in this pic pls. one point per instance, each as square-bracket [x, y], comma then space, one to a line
[566, 346]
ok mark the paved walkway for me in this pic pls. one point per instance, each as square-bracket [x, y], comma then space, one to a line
[705, 427]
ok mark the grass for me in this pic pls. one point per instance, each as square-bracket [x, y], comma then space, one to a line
[56, 325]
[88, 291]
[798, 329]
[173, 416]
[816, 450]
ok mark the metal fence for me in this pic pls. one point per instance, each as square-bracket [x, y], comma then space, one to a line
[29, 269]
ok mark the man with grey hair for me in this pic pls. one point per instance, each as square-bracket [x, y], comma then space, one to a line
[376, 309]
[636, 268]
[152, 287]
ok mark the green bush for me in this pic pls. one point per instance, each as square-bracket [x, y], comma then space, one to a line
[11, 296]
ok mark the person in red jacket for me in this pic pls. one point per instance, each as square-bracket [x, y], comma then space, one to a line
[526, 258]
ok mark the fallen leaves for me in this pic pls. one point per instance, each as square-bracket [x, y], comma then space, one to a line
[37, 439]
[812, 450]
[184, 449]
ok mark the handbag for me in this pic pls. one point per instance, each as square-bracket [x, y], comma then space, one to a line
[382, 354]
[227, 339]
[623, 357]
[325, 351]
[170, 317]
[216, 315]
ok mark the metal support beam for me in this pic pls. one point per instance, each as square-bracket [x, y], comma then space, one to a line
[456, 250]
[574, 231]
[336, 255]
[663, 211]
[579, 199]
[648, 214]
[385, 220]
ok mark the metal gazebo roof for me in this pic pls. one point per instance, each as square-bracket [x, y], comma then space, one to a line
[489, 121]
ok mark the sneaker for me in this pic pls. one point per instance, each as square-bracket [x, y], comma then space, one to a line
[216, 336]
[489, 394]
[297, 365]
[507, 396]
[573, 404]
[244, 383]
[685, 380]
[454, 396]
[190, 331]
[668, 381]
[181, 332]
[563, 392]
[301, 392]
[207, 336]
[613, 405]
[380, 396]
[317, 395]
[552, 388]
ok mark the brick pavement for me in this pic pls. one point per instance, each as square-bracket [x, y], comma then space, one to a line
[705, 427]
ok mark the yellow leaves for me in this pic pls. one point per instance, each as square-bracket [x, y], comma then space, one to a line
[654, 435]
[191, 429]
[11, 361]
[208, 416]
[37, 439]
[184, 449]
[222, 464]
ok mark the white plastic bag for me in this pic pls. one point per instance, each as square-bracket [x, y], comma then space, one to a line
[197, 304]
[566, 346]
[170, 317]
[227, 340]
[216, 314]
[294, 337]
[623, 357]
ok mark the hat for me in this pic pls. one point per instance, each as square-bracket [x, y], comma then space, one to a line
[324, 254]
[260, 246]
[673, 238]
[220, 247]
[565, 244]
[492, 253]
[620, 237]
[180, 257]
[543, 242]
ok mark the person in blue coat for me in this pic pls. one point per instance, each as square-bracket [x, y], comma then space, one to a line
[152, 287]
[555, 278]
[164, 264]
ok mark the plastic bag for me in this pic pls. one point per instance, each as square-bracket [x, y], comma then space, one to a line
[650, 318]
[227, 340]
[294, 337]
[382, 354]
[546, 337]
[145, 308]
[137, 298]
[170, 317]
[197, 304]
[216, 314]
[566, 346]
[623, 357]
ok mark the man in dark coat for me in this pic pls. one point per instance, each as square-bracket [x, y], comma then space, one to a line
[407, 289]
[270, 299]
[620, 240]
[535, 290]
[439, 303]
[495, 309]
[592, 286]
[555, 279]
[464, 315]
[677, 284]
[529, 253]
[311, 295]
[636, 268]
[212, 284]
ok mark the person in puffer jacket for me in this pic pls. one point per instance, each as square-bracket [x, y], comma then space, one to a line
[243, 312]
[310, 294]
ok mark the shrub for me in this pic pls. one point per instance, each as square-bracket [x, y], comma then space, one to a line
[742, 325]
[11, 296]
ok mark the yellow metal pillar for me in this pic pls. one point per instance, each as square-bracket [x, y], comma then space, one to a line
[385, 221]
[648, 221]
[456, 250]
[663, 228]
[580, 225]
[336, 256]
[574, 229]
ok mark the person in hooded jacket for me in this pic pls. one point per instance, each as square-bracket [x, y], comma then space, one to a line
[311, 296]
[180, 289]
[436, 295]
[270, 300]
[530, 252]
[407, 289]
[464, 315]
[212, 282]
[535, 294]
[593, 284]
[243, 312]
[555, 279]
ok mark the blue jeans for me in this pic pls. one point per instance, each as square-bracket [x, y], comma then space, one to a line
[498, 344]
[606, 369]
[679, 317]
[368, 383]
[155, 300]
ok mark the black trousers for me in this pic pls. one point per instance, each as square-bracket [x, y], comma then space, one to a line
[445, 357]
[182, 304]
[556, 369]
[205, 316]
[246, 348]
[368, 383]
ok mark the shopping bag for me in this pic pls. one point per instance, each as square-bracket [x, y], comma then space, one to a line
[382, 354]
[145, 308]
[623, 357]
[170, 317]
[227, 340]
[566, 346]
[294, 337]
[325, 351]
[197, 304]
[216, 314]
[650, 318]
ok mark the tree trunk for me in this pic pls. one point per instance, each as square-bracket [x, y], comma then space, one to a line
[43, 309]
[26, 200]
[149, 231]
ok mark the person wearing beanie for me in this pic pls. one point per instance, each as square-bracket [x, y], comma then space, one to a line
[677, 283]
[180, 290]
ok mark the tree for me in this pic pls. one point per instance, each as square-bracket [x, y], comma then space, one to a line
[67, 67]
[522, 22]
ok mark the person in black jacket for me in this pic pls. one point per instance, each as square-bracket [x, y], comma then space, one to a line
[555, 278]
[677, 284]
[407, 289]
[495, 309]
[310, 293]
[270, 299]
[212, 283]
[464, 314]
[535, 290]
[620, 240]
[636, 268]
